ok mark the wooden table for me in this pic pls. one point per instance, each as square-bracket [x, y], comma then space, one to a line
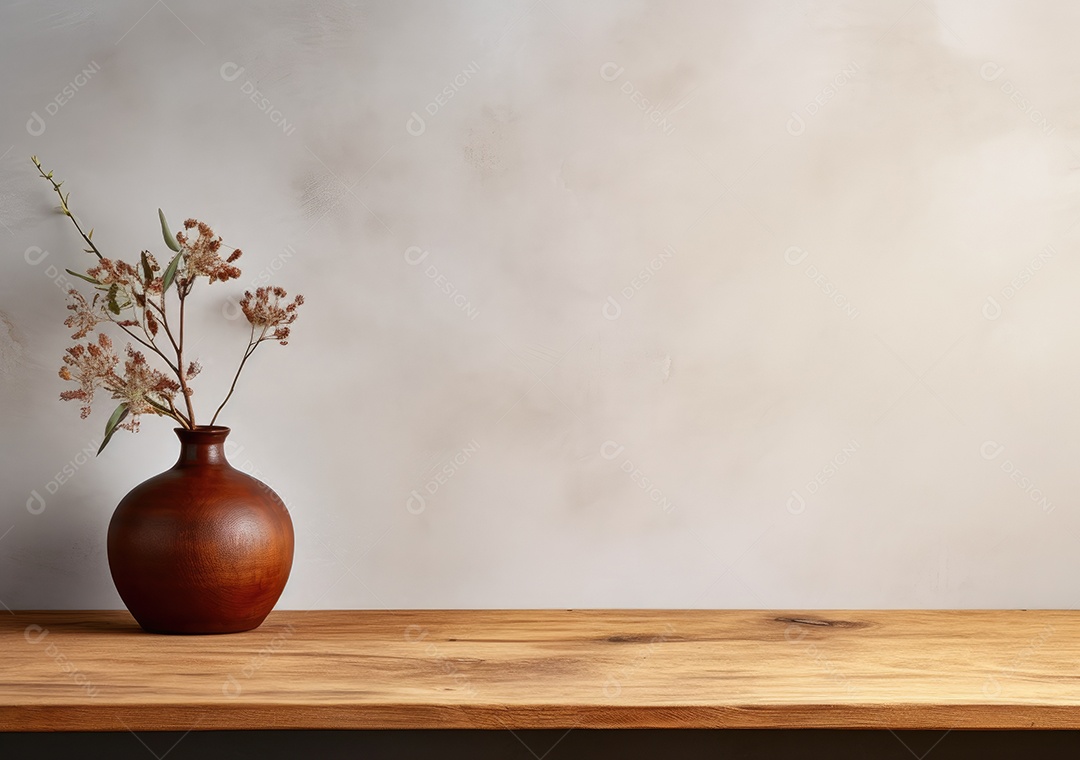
[551, 669]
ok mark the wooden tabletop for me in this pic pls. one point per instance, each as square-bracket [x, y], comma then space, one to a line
[523, 669]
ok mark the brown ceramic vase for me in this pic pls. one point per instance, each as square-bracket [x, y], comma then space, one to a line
[203, 547]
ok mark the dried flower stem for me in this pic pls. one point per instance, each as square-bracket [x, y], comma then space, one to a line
[177, 416]
[169, 411]
[252, 345]
[64, 206]
[165, 323]
[151, 346]
[181, 372]
[149, 342]
[133, 297]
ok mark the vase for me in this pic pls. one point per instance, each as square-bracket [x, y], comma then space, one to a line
[202, 547]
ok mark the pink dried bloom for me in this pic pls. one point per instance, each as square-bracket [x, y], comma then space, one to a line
[264, 309]
[151, 286]
[109, 272]
[91, 365]
[86, 315]
[201, 257]
[140, 385]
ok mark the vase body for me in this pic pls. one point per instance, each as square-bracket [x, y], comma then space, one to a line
[202, 547]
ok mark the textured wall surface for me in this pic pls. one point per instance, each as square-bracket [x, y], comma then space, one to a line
[609, 304]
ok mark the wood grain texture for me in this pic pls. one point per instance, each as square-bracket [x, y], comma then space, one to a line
[522, 669]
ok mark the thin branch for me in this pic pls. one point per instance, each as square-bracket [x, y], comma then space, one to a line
[252, 345]
[180, 360]
[140, 311]
[164, 319]
[164, 412]
[151, 346]
[64, 206]
[178, 414]
[178, 368]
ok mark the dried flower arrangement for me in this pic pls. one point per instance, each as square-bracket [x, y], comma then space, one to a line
[132, 298]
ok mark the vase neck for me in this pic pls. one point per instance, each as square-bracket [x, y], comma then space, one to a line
[204, 445]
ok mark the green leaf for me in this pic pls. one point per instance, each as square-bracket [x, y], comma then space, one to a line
[110, 427]
[165, 233]
[82, 277]
[170, 273]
